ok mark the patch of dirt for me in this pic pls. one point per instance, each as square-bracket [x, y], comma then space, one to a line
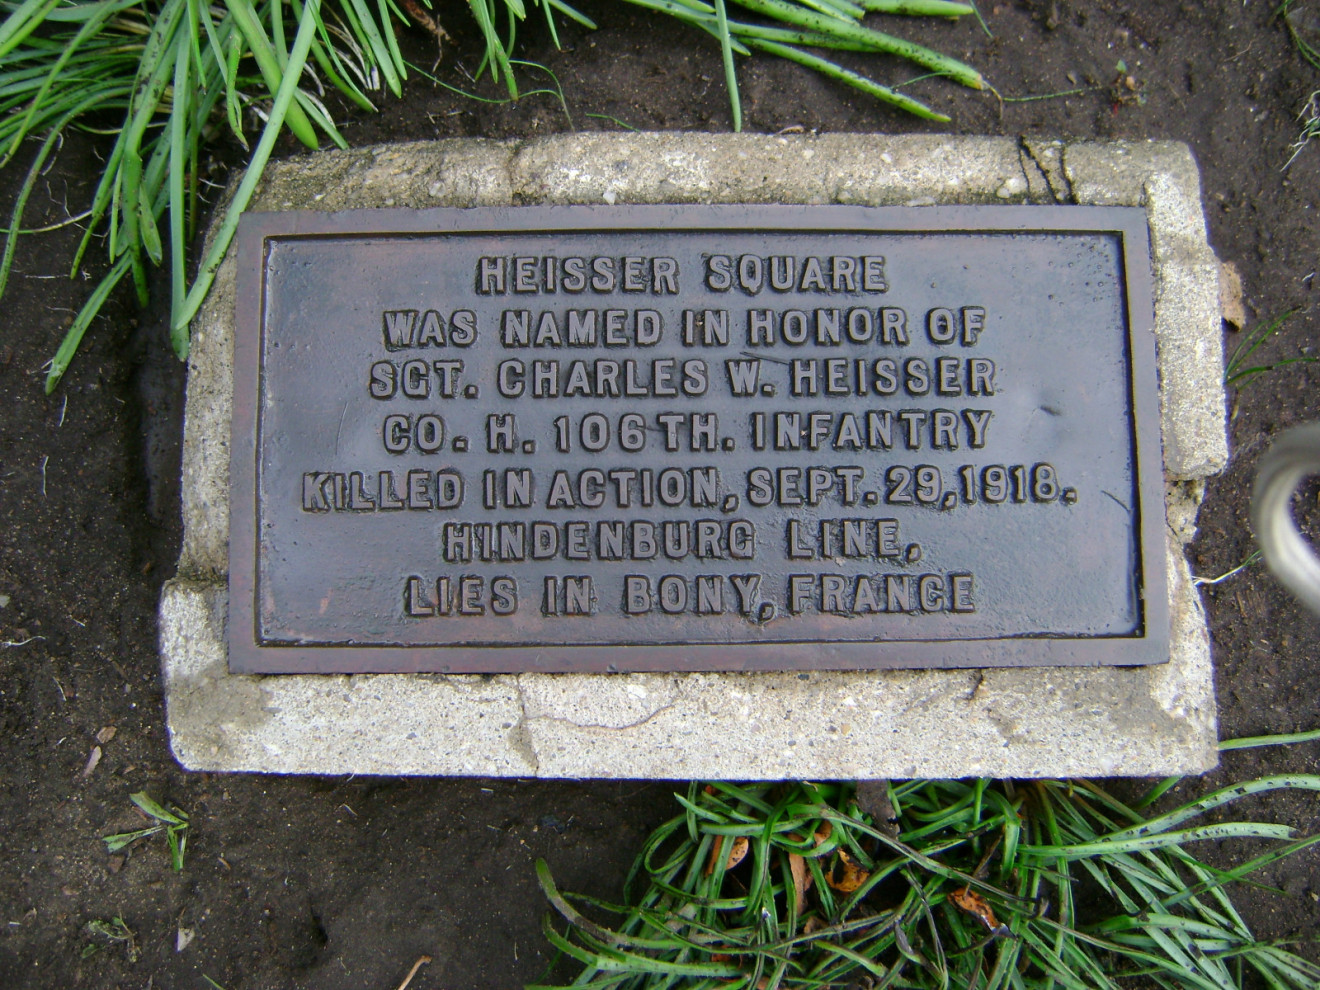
[344, 883]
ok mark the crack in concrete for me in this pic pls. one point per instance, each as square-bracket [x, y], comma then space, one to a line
[1025, 156]
[1055, 177]
[610, 728]
[520, 737]
[1064, 175]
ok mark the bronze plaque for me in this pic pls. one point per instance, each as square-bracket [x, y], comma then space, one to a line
[695, 438]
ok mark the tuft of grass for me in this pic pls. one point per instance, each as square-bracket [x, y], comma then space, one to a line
[174, 75]
[1304, 29]
[1239, 369]
[1309, 118]
[110, 931]
[787, 29]
[173, 823]
[1251, 559]
[932, 883]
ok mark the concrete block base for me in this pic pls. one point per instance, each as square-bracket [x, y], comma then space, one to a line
[1035, 722]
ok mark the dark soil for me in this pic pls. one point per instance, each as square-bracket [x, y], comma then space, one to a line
[344, 883]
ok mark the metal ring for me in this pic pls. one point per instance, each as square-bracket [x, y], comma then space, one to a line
[1294, 456]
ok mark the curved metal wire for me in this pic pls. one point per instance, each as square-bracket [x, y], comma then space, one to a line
[1294, 456]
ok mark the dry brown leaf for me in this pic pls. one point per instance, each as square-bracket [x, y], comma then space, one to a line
[974, 904]
[824, 832]
[714, 856]
[801, 881]
[813, 925]
[424, 20]
[421, 961]
[737, 853]
[106, 734]
[1231, 307]
[873, 798]
[92, 761]
[853, 875]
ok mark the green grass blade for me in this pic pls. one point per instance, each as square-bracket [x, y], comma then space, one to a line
[1223, 877]
[572, 13]
[918, 8]
[154, 74]
[585, 924]
[1285, 739]
[1219, 798]
[844, 10]
[933, 60]
[256, 165]
[57, 74]
[1248, 374]
[22, 22]
[497, 56]
[369, 33]
[155, 69]
[870, 966]
[178, 211]
[1225, 830]
[233, 102]
[730, 74]
[116, 842]
[130, 184]
[857, 81]
[25, 190]
[317, 113]
[274, 68]
[146, 221]
[1157, 792]
[144, 801]
[1250, 343]
[329, 61]
[276, 16]
[73, 337]
[392, 44]
[178, 842]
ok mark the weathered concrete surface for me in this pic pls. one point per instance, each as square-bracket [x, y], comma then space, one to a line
[1023, 722]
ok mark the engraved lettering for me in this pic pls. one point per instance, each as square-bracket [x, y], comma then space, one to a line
[416, 603]
[384, 380]
[400, 326]
[490, 275]
[503, 595]
[873, 274]
[500, 433]
[433, 330]
[941, 326]
[977, 422]
[973, 324]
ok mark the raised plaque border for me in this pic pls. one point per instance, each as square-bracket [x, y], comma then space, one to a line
[248, 655]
